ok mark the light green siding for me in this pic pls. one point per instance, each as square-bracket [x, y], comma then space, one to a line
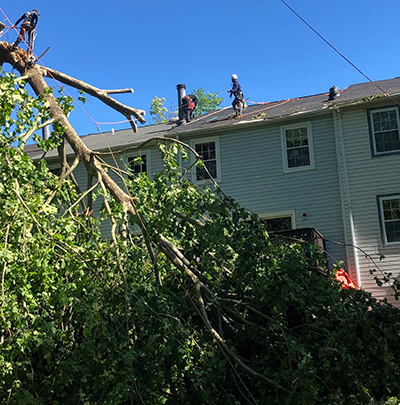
[368, 178]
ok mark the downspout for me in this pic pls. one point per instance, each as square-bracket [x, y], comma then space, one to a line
[345, 195]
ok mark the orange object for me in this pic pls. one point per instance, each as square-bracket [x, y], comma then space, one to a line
[344, 278]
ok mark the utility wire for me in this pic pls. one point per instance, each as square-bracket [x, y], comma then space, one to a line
[336, 50]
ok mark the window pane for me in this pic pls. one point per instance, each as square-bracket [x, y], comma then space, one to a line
[298, 157]
[393, 231]
[207, 151]
[387, 141]
[278, 224]
[56, 171]
[138, 164]
[296, 137]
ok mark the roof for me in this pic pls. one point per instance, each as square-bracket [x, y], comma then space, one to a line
[283, 109]
[99, 142]
[257, 112]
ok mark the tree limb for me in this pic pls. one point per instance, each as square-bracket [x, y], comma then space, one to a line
[102, 95]
[170, 253]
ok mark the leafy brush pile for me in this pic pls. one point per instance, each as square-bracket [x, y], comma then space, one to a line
[201, 306]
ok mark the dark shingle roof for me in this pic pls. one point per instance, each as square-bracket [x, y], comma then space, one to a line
[284, 108]
[356, 93]
[256, 112]
[103, 141]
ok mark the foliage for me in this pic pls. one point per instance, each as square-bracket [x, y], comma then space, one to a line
[207, 102]
[84, 320]
[157, 110]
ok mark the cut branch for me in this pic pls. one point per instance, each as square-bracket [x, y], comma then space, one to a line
[170, 251]
[118, 91]
[94, 167]
[98, 93]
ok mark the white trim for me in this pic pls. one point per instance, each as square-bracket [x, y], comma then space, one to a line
[281, 214]
[193, 144]
[311, 166]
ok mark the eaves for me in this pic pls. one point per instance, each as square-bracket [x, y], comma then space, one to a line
[247, 124]
[368, 101]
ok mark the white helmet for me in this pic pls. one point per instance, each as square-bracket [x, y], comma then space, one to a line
[234, 77]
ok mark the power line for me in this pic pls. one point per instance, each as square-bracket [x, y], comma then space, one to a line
[335, 49]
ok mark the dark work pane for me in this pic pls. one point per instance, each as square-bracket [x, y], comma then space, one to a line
[278, 224]
[56, 171]
[208, 171]
[138, 164]
[393, 231]
[387, 141]
[298, 157]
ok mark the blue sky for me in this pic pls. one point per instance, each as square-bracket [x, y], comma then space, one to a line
[153, 46]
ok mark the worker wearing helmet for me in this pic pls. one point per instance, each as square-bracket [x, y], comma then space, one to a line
[189, 104]
[238, 102]
[29, 24]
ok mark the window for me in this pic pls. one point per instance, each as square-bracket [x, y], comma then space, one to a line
[279, 221]
[297, 148]
[55, 170]
[389, 212]
[209, 152]
[384, 127]
[278, 224]
[138, 164]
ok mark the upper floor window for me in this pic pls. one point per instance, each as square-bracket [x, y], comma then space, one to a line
[384, 125]
[55, 170]
[389, 211]
[279, 221]
[209, 152]
[138, 164]
[297, 148]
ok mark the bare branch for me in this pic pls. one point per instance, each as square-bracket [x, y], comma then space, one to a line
[60, 182]
[118, 91]
[98, 93]
[81, 197]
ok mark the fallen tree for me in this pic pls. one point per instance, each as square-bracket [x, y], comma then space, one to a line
[202, 306]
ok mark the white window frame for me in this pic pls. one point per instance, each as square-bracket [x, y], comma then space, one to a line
[372, 131]
[140, 153]
[193, 144]
[311, 166]
[281, 214]
[382, 221]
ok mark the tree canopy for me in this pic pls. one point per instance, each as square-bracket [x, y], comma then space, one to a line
[206, 102]
[189, 301]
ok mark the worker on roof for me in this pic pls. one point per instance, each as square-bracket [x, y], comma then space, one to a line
[29, 24]
[189, 104]
[238, 102]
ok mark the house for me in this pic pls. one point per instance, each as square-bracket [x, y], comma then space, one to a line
[328, 161]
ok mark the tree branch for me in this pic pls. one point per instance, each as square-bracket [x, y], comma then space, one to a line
[167, 248]
[98, 93]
